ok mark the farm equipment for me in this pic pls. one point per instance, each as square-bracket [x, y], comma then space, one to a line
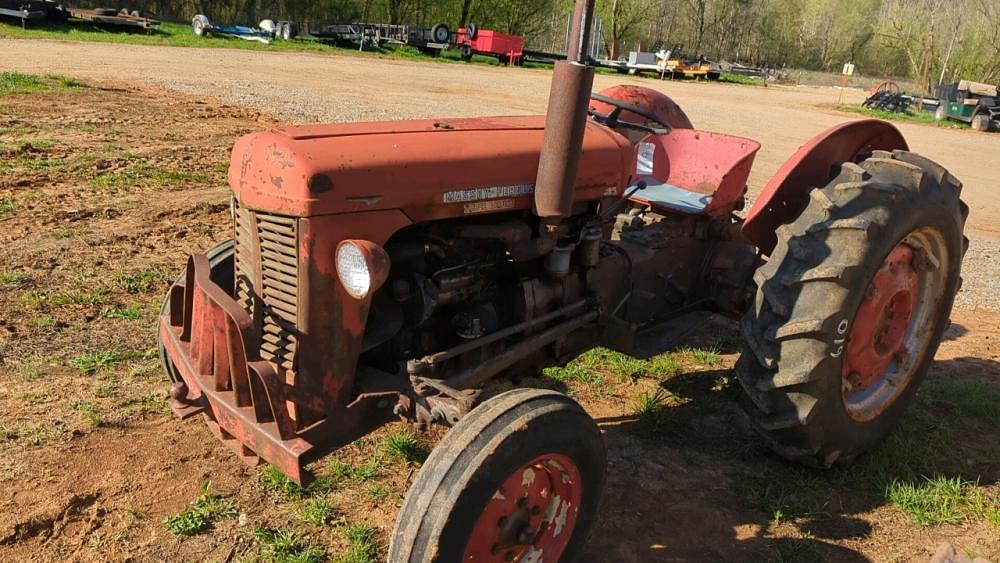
[384, 271]
[265, 32]
[33, 10]
[888, 97]
[970, 102]
[431, 40]
[115, 18]
[508, 49]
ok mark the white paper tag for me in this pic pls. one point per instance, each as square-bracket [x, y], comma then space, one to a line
[644, 164]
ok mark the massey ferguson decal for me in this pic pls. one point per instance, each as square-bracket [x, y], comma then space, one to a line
[495, 192]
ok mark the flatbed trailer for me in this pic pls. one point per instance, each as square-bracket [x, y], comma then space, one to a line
[434, 39]
[113, 17]
[32, 10]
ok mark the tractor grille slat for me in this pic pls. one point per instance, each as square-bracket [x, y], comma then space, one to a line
[268, 280]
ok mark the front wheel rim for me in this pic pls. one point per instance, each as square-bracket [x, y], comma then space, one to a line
[531, 516]
[894, 324]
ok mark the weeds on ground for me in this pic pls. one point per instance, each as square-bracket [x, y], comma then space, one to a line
[272, 480]
[203, 513]
[361, 545]
[338, 470]
[7, 205]
[18, 83]
[317, 512]
[704, 356]
[972, 398]
[405, 446]
[89, 411]
[285, 546]
[655, 414]
[130, 313]
[146, 176]
[92, 362]
[939, 500]
[140, 281]
[378, 493]
[14, 279]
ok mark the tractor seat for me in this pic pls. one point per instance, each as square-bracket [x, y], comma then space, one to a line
[664, 195]
[693, 172]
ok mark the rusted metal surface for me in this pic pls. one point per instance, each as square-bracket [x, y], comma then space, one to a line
[880, 324]
[215, 346]
[651, 100]
[810, 167]
[531, 516]
[123, 18]
[429, 169]
[706, 163]
[561, 154]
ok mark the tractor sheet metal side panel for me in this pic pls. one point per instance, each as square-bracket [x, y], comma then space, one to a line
[428, 169]
[812, 166]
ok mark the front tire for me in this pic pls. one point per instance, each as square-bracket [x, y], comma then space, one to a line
[981, 122]
[519, 478]
[851, 306]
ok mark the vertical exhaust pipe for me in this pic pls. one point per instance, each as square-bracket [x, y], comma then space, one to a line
[565, 124]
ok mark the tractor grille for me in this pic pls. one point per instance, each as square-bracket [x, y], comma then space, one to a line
[268, 288]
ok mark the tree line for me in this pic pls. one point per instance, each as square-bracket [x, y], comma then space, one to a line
[928, 41]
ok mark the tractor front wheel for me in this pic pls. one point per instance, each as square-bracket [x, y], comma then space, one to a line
[851, 307]
[518, 479]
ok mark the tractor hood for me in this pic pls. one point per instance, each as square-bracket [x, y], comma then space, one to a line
[430, 169]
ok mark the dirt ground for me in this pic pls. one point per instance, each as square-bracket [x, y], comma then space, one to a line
[104, 189]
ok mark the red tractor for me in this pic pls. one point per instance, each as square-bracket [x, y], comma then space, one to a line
[385, 271]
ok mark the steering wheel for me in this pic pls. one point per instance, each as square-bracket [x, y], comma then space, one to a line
[612, 119]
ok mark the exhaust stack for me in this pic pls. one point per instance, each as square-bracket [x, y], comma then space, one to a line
[565, 123]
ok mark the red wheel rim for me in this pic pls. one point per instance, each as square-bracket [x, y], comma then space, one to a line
[894, 325]
[880, 325]
[531, 517]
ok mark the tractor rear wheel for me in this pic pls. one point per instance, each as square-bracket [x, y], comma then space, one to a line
[518, 479]
[851, 307]
[220, 259]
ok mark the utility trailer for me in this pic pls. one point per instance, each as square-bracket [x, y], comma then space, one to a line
[114, 17]
[431, 40]
[33, 10]
[508, 49]
[265, 32]
[970, 102]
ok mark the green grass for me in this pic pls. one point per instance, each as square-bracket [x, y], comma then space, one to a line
[93, 362]
[33, 434]
[272, 480]
[404, 445]
[7, 205]
[141, 281]
[915, 116]
[285, 546]
[939, 500]
[17, 83]
[971, 398]
[361, 545]
[378, 493]
[317, 512]
[146, 176]
[338, 470]
[90, 298]
[655, 414]
[203, 513]
[740, 79]
[131, 313]
[703, 356]
[89, 411]
[14, 279]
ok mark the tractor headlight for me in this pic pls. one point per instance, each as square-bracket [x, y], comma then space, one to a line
[362, 267]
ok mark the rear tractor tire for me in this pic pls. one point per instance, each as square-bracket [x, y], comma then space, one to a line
[518, 479]
[851, 306]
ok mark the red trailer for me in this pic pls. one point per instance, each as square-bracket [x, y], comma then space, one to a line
[508, 49]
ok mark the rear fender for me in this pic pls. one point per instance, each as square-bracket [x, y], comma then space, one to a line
[810, 167]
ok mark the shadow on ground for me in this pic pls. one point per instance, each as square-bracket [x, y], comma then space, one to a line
[696, 483]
